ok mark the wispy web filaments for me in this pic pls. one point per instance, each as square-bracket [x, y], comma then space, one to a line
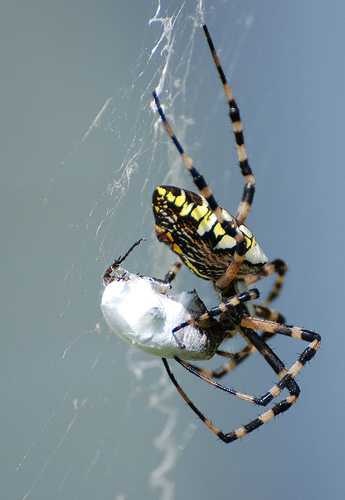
[171, 82]
[118, 214]
[97, 120]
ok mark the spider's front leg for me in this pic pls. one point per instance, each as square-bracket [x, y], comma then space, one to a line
[237, 128]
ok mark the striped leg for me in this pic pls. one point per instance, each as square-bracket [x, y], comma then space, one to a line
[249, 323]
[262, 400]
[269, 327]
[231, 303]
[278, 267]
[265, 312]
[242, 431]
[204, 189]
[237, 127]
[236, 358]
[171, 274]
[295, 332]
[287, 376]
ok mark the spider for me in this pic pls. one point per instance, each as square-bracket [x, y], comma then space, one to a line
[218, 247]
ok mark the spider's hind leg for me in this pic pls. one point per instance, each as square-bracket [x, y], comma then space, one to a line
[278, 267]
[286, 376]
[264, 312]
[240, 432]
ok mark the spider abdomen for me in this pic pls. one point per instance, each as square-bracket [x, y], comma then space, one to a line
[185, 222]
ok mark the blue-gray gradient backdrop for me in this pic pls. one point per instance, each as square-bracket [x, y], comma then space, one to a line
[82, 416]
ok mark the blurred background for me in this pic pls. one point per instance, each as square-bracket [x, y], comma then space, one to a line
[82, 415]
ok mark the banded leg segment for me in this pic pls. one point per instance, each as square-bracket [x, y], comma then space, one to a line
[237, 127]
[264, 312]
[233, 302]
[236, 358]
[277, 266]
[248, 324]
[295, 332]
[262, 400]
[230, 227]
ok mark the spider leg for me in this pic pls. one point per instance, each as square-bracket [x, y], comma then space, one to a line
[287, 376]
[262, 400]
[234, 301]
[286, 381]
[278, 267]
[235, 359]
[237, 127]
[262, 311]
[230, 227]
[240, 432]
[295, 332]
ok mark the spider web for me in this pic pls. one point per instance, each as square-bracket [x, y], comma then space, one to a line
[82, 416]
[170, 61]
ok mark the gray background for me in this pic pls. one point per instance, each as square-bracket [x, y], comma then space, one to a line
[81, 415]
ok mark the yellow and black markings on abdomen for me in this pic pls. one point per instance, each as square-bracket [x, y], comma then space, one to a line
[186, 223]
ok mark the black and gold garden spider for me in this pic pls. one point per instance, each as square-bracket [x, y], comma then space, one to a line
[218, 247]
